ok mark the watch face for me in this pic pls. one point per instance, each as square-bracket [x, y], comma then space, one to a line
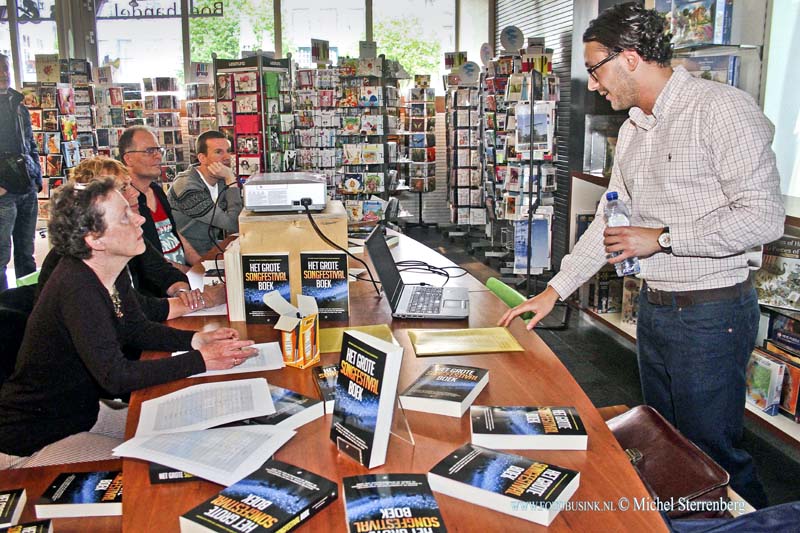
[664, 240]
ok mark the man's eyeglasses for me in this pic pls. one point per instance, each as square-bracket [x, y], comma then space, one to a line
[591, 70]
[151, 151]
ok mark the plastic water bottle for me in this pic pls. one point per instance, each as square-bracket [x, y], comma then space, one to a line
[617, 216]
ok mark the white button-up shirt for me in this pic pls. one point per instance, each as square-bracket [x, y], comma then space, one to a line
[702, 165]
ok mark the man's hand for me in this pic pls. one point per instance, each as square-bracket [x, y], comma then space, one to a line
[2, 191]
[222, 172]
[214, 294]
[632, 241]
[540, 305]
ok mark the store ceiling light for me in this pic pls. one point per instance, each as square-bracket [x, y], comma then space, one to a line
[133, 3]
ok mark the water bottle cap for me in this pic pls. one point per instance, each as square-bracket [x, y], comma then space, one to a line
[612, 195]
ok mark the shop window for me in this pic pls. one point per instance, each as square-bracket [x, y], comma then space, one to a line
[341, 23]
[142, 37]
[5, 40]
[417, 33]
[241, 25]
[37, 33]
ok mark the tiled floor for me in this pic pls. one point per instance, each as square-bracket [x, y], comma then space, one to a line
[604, 364]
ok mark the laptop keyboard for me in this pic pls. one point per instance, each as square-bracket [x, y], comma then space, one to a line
[427, 300]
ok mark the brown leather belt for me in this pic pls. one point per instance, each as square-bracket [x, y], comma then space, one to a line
[687, 298]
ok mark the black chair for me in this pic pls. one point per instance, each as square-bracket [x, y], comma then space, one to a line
[15, 307]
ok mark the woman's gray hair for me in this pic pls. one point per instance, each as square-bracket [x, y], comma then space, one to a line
[74, 214]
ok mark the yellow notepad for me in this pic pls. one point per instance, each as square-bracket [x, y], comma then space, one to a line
[330, 339]
[462, 341]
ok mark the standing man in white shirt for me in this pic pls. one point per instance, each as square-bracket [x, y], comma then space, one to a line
[205, 199]
[695, 167]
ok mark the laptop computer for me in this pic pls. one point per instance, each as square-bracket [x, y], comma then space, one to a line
[413, 301]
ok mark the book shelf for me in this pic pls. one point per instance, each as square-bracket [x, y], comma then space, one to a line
[587, 186]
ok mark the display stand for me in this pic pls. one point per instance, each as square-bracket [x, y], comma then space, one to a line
[419, 148]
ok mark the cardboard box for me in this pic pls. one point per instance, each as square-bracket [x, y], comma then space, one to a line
[292, 233]
[299, 327]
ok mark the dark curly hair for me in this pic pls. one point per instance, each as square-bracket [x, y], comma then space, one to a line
[632, 27]
[74, 214]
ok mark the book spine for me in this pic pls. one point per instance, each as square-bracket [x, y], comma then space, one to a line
[788, 338]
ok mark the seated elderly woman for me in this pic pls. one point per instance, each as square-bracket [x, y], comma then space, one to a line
[49, 407]
[152, 276]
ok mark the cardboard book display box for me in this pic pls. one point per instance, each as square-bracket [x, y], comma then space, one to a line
[299, 327]
[292, 233]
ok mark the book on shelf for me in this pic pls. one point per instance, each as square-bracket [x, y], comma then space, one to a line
[82, 494]
[721, 68]
[276, 497]
[777, 282]
[790, 390]
[631, 287]
[12, 501]
[720, 22]
[508, 483]
[527, 428]
[605, 291]
[39, 526]
[391, 502]
[764, 382]
[366, 389]
[445, 389]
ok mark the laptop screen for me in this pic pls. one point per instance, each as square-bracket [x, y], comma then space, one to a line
[384, 266]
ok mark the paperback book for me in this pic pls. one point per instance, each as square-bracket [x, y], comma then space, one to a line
[504, 482]
[40, 526]
[391, 502]
[276, 497]
[527, 428]
[82, 494]
[325, 379]
[262, 274]
[764, 382]
[12, 501]
[366, 388]
[292, 410]
[445, 389]
[324, 277]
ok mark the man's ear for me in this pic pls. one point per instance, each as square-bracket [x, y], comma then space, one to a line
[632, 59]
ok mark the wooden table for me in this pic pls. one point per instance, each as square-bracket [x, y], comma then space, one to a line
[36, 481]
[533, 377]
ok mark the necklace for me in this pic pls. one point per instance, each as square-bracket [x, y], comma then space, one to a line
[116, 301]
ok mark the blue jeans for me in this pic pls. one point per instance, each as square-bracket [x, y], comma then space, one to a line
[692, 363]
[18, 222]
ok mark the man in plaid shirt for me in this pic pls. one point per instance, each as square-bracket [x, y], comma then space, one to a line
[695, 167]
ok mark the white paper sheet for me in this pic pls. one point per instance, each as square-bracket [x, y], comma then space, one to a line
[269, 358]
[221, 455]
[204, 406]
